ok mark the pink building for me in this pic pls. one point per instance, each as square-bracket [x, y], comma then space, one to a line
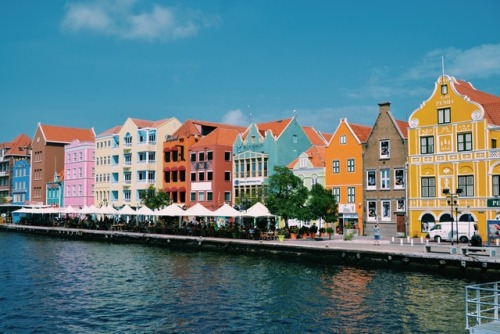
[79, 174]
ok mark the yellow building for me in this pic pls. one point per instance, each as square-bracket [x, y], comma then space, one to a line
[453, 159]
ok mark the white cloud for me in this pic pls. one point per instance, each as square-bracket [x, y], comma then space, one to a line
[236, 117]
[482, 61]
[122, 19]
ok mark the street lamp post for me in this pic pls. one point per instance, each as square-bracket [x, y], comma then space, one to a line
[452, 202]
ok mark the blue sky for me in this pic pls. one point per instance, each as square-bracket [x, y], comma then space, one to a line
[91, 63]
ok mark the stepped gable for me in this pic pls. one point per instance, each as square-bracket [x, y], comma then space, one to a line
[62, 134]
[490, 102]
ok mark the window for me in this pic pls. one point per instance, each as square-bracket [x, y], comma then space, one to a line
[227, 196]
[192, 196]
[192, 157]
[336, 166]
[427, 145]
[493, 143]
[193, 176]
[386, 210]
[372, 210]
[401, 205]
[385, 151]
[350, 165]
[210, 155]
[351, 195]
[201, 176]
[227, 176]
[295, 139]
[343, 139]
[464, 141]
[201, 196]
[371, 180]
[385, 179]
[444, 115]
[209, 196]
[466, 183]
[399, 178]
[201, 156]
[444, 89]
[495, 182]
[428, 187]
[227, 156]
[336, 194]
[210, 176]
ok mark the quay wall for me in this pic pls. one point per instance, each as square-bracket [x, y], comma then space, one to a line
[329, 252]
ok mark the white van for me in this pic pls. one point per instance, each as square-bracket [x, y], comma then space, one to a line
[442, 231]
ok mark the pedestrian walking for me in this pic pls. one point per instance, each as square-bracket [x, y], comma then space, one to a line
[376, 234]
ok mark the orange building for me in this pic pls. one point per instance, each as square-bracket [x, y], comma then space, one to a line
[344, 172]
[177, 164]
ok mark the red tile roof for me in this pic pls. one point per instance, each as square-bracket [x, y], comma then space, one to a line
[18, 146]
[276, 127]
[316, 155]
[490, 103]
[113, 130]
[361, 131]
[403, 127]
[193, 127]
[62, 134]
[219, 136]
[315, 137]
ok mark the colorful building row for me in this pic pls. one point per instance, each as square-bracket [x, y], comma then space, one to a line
[403, 175]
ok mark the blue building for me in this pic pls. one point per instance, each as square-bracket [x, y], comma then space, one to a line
[21, 182]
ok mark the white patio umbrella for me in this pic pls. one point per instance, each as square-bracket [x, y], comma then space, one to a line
[199, 211]
[108, 210]
[88, 210]
[227, 211]
[126, 210]
[173, 210]
[258, 210]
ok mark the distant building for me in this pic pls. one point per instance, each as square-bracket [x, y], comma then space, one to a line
[47, 155]
[79, 176]
[14, 169]
[54, 191]
[189, 175]
[258, 150]
[128, 160]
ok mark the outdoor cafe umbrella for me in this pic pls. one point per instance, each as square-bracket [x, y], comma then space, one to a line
[173, 210]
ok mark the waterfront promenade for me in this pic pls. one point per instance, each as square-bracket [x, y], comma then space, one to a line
[361, 250]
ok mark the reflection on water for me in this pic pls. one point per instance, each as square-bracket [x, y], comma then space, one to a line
[84, 287]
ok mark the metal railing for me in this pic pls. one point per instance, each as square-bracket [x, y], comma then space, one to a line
[482, 304]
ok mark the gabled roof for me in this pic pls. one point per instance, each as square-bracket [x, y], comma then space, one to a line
[19, 145]
[62, 134]
[315, 137]
[316, 155]
[142, 123]
[114, 130]
[490, 103]
[360, 131]
[276, 127]
[403, 127]
[219, 136]
[202, 128]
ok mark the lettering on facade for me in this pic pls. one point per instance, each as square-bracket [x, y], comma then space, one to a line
[444, 101]
[249, 147]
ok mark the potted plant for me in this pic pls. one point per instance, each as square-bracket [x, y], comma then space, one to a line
[313, 230]
[293, 232]
[322, 232]
[329, 231]
[281, 234]
[304, 231]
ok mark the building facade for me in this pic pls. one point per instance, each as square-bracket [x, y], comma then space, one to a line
[47, 155]
[14, 164]
[128, 160]
[344, 172]
[79, 176]
[453, 156]
[384, 158]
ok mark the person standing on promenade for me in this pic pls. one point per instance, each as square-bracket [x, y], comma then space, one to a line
[376, 234]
